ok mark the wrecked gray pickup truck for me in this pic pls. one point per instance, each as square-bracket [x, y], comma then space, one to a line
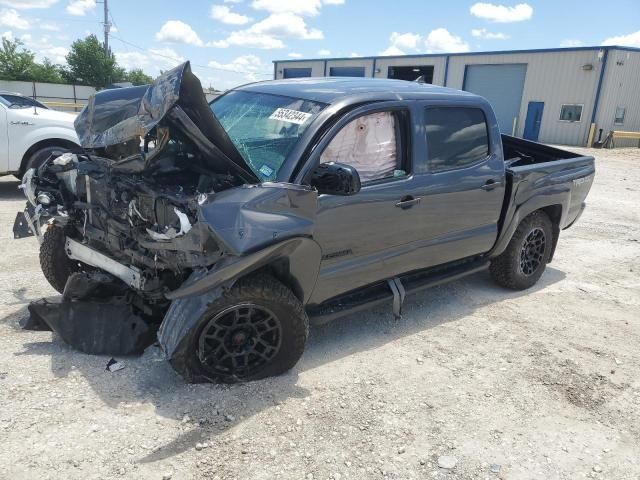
[221, 229]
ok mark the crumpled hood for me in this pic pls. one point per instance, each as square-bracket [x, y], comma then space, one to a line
[176, 99]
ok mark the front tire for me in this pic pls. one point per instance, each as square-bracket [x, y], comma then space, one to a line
[257, 329]
[522, 264]
[55, 265]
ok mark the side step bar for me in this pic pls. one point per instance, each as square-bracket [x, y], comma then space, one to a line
[398, 291]
[392, 292]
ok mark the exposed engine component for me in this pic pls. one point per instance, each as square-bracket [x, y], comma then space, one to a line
[158, 202]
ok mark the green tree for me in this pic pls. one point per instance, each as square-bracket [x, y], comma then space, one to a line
[138, 77]
[89, 64]
[47, 71]
[16, 62]
[119, 74]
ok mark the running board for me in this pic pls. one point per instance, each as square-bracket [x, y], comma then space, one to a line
[392, 292]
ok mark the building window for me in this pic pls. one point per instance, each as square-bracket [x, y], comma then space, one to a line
[571, 113]
[346, 71]
[619, 120]
[420, 73]
[456, 137]
[296, 72]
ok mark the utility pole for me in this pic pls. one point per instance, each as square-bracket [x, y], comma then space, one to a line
[107, 27]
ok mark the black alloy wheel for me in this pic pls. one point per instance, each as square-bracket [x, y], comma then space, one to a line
[240, 340]
[524, 260]
[533, 251]
[256, 329]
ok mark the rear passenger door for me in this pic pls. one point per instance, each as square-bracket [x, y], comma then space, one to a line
[463, 183]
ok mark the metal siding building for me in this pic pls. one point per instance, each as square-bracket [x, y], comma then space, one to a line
[621, 89]
[528, 88]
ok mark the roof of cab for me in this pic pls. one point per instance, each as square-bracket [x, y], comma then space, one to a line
[332, 89]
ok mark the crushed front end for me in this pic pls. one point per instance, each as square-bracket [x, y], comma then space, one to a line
[156, 217]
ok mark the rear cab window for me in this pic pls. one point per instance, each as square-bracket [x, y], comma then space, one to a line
[457, 137]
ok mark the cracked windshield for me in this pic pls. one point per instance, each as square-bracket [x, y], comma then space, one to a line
[263, 127]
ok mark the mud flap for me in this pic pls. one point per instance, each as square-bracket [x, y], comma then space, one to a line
[92, 316]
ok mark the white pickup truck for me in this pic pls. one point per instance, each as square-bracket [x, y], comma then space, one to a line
[30, 132]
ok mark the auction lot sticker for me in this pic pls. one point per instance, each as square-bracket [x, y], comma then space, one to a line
[291, 116]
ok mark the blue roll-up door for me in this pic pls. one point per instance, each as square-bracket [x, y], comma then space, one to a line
[296, 72]
[346, 72]
[502, 85]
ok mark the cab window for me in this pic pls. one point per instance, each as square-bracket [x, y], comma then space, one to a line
[456, 137]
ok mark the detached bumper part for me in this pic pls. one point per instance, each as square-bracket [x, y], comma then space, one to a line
[129, 275]
[28, 222]
[21, 227]
[93, 327]
[91, 317]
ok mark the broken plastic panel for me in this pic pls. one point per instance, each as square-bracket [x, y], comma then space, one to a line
[94, 315]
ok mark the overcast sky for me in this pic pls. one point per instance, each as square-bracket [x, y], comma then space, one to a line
[234, 41]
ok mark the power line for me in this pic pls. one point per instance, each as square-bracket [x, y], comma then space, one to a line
[181, 60]
[65, 19]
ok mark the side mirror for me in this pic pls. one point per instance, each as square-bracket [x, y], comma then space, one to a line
[336, 179]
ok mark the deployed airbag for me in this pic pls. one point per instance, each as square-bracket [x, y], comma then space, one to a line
[368, 144]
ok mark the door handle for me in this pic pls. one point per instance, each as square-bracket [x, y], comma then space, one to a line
[490, 185]
[408, 202]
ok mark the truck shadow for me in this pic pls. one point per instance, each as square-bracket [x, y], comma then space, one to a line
[9, 190]
[213, 409]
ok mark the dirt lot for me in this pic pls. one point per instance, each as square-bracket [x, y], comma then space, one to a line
[473, 382]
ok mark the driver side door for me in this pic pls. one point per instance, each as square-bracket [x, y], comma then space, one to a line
[365, 237]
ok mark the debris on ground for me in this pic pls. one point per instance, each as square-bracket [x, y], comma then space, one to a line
[447, 461]
[113, 365]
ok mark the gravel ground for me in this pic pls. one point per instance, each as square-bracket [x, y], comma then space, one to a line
[473, 382]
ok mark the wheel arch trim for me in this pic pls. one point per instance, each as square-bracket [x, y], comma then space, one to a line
[555, 208]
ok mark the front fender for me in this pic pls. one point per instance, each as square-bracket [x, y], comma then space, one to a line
[299, 257]
[248, 218]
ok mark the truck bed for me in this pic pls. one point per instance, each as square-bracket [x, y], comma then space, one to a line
[539, 176]
[519, 152]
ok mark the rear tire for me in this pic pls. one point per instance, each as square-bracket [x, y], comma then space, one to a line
[55, 264]
[257, 329]
[522, 264]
